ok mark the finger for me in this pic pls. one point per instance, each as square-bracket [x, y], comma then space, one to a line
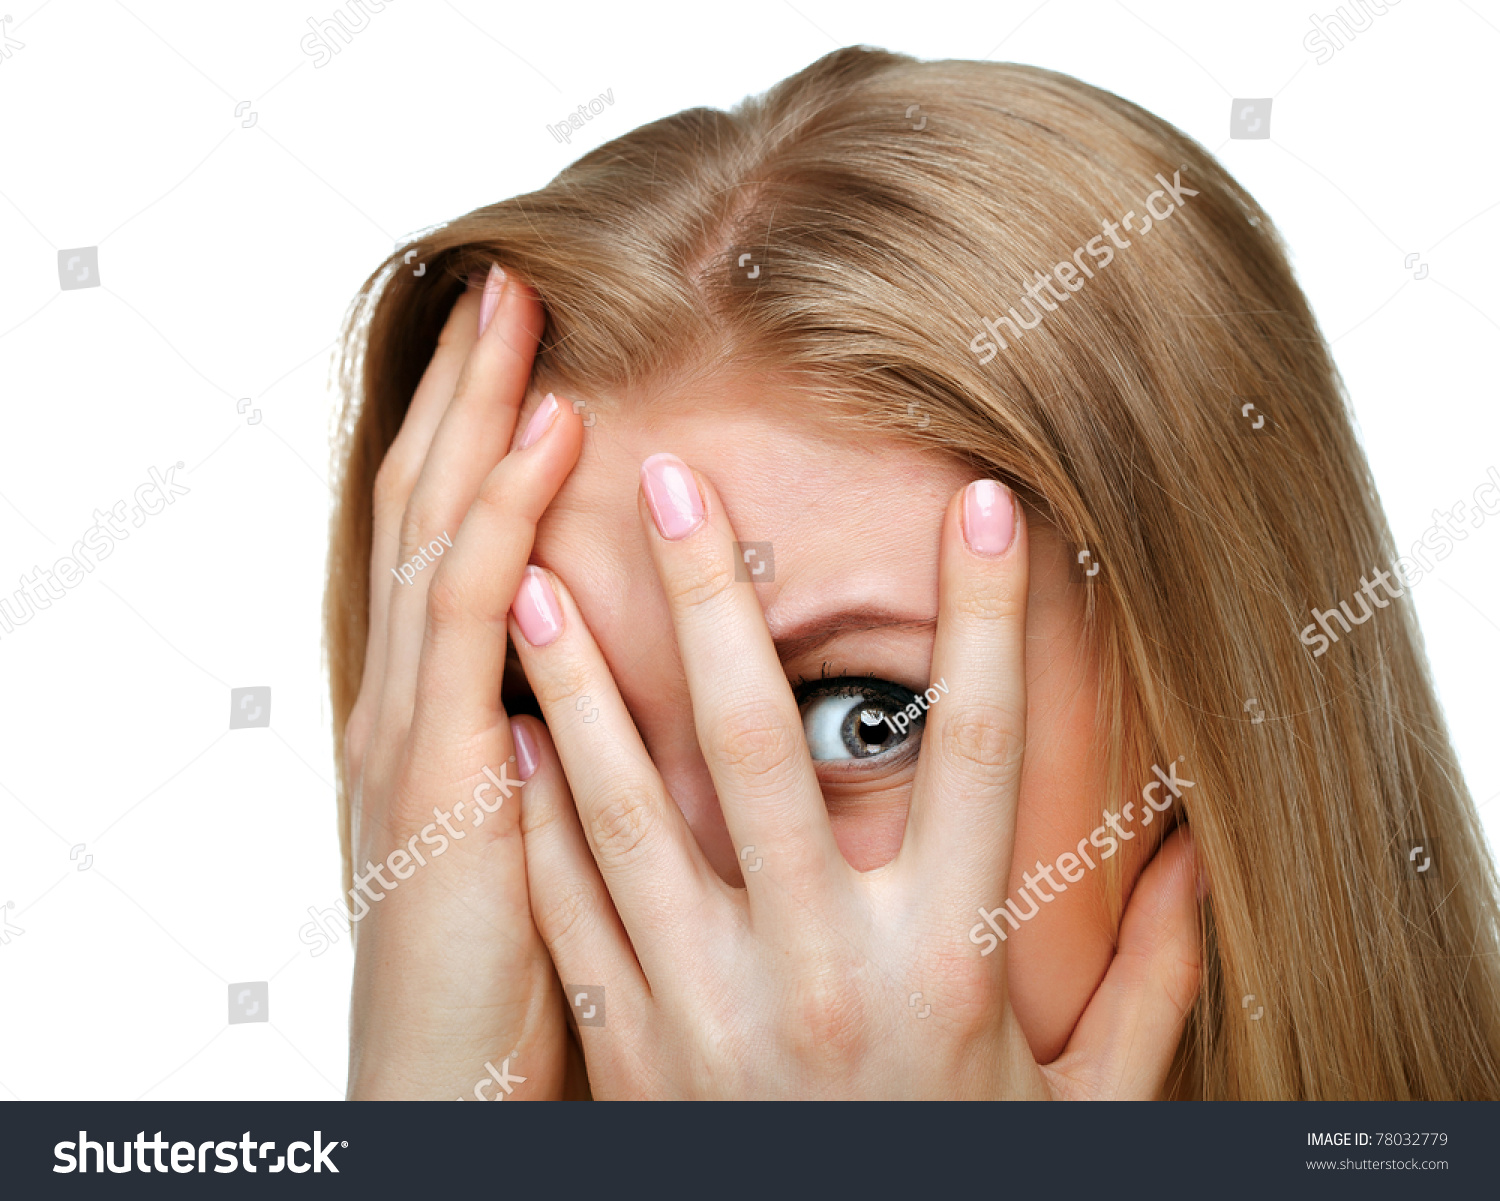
[662, 888]
[461, 660]
[1125, 1041]
[748, 724]
[403, 459]
[474, 434]
[571, 906]
[963, 810]
[393, 486]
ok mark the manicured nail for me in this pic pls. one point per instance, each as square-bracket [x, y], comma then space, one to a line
[536, 608]
[672, 494]
[989, 517]
[541, 421]
[526, 751]
[494, 285]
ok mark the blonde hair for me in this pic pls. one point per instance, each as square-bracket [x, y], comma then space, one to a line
[889, 233]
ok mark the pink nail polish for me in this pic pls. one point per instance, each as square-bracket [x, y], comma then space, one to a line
[540, 423]
[536, 608]
[672, 495]
[989, 517]
[527, 756]
[494, 285]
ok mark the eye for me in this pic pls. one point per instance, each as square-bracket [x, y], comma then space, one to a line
[855, 718]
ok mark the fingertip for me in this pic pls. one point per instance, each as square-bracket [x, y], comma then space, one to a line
[535, 755]
[674, 495]
[528, 748]
[1167, 919]
[990, 518]
[1171, 876]
[509, 310]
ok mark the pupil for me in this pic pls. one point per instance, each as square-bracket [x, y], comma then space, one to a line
[871, 730]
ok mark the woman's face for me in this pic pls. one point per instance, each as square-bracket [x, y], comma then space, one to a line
[852, 525]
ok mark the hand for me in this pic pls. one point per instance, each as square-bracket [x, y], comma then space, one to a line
[450, 976]
[804, 984]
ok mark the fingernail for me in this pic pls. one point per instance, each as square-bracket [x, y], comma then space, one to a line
[526, 750]
[494, 285]
[672, 494]
[541, 421]
[989, 517]
[536, 608]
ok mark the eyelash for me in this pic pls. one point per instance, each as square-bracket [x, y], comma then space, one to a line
[868, 689]
[798, 681]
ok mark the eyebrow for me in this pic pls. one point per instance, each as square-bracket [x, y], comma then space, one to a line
[812, 634]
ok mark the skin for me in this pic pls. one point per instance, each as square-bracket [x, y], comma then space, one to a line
[853, 525]
[632, 875]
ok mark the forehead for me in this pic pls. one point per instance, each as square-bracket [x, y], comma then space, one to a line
[847, 518]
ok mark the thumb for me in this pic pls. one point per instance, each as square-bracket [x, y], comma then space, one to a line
[1123, 1045]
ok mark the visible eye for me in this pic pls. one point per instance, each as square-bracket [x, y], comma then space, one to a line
[855, 718]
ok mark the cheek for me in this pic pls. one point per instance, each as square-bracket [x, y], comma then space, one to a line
[1057, 958]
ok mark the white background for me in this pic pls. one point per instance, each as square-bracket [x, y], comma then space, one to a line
[227, 256]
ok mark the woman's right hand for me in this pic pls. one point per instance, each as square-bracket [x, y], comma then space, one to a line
[450, 976]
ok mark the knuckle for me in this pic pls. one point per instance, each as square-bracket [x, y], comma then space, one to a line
[416, 524]
[981, 735]
[394, 481]
[500, 488]
[965, 983]
[446, 606]
[562, 917]
[559, 684]
[621, 826]
[830, 1014]
[988, 602]
[700, 583]
[756, 741]
[511, 500]
[357, 732]
[542, 816]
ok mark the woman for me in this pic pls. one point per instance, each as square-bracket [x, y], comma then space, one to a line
[813, 460]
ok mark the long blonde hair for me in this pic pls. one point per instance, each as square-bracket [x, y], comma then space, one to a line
[895, 206]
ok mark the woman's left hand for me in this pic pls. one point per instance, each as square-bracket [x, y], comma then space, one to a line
[816, 980]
